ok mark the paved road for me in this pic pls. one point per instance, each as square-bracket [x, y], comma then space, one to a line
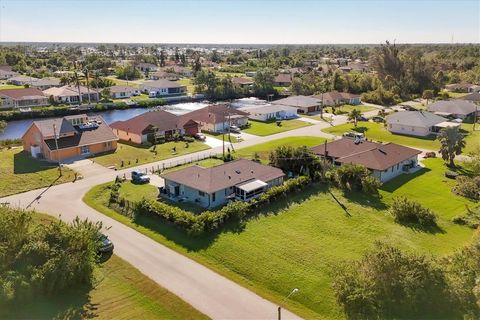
[205, 290]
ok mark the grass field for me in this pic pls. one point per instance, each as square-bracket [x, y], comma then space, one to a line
[377, 131]
[348, 108]
[130, 154]
[259, 128]
[299, 241]
[19, 172]
[264, 149]
[120, 82]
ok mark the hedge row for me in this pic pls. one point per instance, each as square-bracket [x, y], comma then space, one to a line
[196, 224]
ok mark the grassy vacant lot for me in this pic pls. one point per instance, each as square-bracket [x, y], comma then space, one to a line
[299, 241]
[19, 172]
[129, 154]
[263, 149]
[259, 128]
[377, 131]
[206, 163]
[347, 108]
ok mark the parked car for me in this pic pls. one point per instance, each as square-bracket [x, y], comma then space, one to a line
[378, 119]
[234, 129]
[356, 135]
[200, 136]
[140, 177]
[362, 118]
[106, 245]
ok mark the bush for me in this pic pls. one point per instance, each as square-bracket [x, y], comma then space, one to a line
[355, 177]
[407, 211]
[44, 258]
[471, 218]
[188, 139]
[468, 187]
[430, 155]
[451, 174]
[388, 283]
[212, 220]
[151, 103]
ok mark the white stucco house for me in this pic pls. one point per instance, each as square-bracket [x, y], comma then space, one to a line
[240, 179]
[271, 112]
[163, 87]
[416, 123]
[122, 92]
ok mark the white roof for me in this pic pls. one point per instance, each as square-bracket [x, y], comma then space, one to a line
[447, 124]
[269, 109]
[252, 185]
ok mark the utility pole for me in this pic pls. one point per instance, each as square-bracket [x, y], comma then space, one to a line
[56, 148]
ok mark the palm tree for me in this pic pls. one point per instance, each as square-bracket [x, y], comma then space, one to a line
[354, 115]
[452, 142]
[67, 79]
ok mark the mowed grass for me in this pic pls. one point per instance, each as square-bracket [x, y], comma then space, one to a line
[299, 241]
[263, 149]
[376, 131]
[10, 86]
[131, 155]
[259, 128]
[347, 108]
[19, 172]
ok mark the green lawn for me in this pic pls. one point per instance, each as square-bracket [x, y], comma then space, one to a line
[187, 82]
[376, 131]
[129, 154]
[299, 241]
[120, 82]
[206, 163]
[347, 108]
[19, 172]
[259, 128]
[264, 149]
[10, 86]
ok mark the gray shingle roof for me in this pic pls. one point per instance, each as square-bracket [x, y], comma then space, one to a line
[462, 107]
[414, 118]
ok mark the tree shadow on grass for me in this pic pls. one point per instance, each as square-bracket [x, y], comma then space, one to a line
[71, 304]
[425, 229]
[397, 182]
[180, 237]
[365, 200]
[24, 163]
[360, 129]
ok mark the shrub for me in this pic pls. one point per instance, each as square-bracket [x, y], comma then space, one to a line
[451, 174]
[355, 178]
[471, 218]
[430, 155]
[151, 103]
[468, 187]
[188, 139]
[212, 220]
[407, 211]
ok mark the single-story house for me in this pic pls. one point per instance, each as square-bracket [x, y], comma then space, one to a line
[474, 97]
[45, 83]
[335, 98]
[121, 92]
[70, 94]
[6, 74]
[154, 126]
[385, 161]
[163, 87]
[416, 123]
[240, 179]
[146, 67]
[78, 135]
[164, 75]
[271, 112]
[22, 98]
[250, 73]
[242, 82]
[22, 80]
[462, 87]
[283, 80]
[184, 72]
[218, 117]
[457, 108]
[304, 104]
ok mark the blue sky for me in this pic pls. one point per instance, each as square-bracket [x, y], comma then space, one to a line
[309, 22]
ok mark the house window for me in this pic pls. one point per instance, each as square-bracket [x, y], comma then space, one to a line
[201, 193]
[213, 197]
[391, 169]
[84, 149]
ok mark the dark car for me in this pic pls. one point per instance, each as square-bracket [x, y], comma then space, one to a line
[106, 245]
[362, 118]
[378, 119]
[140, 177]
